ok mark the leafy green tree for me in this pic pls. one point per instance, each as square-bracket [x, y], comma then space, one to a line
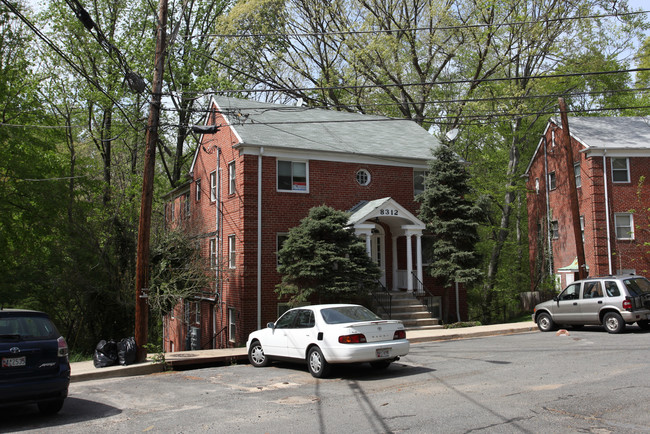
[322, 257]
[453, 220]
[178, 271]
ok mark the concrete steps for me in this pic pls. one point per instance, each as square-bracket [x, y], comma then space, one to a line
[409, 310]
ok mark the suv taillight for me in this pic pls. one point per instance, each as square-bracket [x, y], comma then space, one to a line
[627, 304]
[399, 334]
[352, 339]
[63, 347]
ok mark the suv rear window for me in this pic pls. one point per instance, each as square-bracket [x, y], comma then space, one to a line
[637, 286]
[27, 328]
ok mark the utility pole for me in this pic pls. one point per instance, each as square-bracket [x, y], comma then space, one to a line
[573, 191]
[144, 230]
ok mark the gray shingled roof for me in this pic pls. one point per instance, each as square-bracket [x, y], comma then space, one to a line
[302, 128]
[631, 132]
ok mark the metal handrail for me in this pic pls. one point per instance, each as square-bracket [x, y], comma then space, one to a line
[216, 335]
[383, 298]
[425, 296]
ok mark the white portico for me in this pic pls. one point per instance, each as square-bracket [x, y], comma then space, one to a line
[369, 220]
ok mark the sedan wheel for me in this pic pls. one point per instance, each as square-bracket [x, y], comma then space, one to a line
[256, 355]
[545, 322]
[318, 366]
[613, 322]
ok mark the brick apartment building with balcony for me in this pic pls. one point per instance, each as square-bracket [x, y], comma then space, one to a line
[258, 176]
[611, 163]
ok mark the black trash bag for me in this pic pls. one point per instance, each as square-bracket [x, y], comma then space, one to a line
[105, 354]
[126, 351]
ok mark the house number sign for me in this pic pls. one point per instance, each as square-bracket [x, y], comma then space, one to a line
[388, 211]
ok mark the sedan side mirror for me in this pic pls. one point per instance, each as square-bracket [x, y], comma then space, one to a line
[271, 325]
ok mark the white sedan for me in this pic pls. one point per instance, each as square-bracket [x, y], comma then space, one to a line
[329, 333]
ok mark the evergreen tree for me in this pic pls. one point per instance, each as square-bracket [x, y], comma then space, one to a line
[322, 256]
[452, 219]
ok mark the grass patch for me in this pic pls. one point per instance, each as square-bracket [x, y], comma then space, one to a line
[457, 325]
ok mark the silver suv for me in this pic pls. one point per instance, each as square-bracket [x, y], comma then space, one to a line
[611, 301]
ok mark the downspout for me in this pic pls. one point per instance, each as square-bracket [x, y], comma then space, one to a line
[548, 207]
[609, 240]
[259, 239]
[218, 267]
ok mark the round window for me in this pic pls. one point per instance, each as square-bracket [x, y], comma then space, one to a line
[363, 177]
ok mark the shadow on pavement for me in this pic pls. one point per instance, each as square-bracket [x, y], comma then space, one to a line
[27, 417]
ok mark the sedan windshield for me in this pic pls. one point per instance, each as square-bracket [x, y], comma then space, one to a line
[344, 314]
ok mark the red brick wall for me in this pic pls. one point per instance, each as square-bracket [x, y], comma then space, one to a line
[591, 198]
[330, 183]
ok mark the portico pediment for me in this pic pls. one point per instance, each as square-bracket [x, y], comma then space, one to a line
[387, 211]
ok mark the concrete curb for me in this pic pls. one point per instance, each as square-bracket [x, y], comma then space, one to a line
[86, 371]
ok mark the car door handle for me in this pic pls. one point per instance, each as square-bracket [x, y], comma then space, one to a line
[575, 303]
[600, 302]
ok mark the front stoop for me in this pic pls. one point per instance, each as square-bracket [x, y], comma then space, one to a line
[409, 310]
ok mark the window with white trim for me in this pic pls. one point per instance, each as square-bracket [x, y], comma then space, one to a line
[551, 181]
[213, 253]
[232, 324]
[172, 210]
[624, 223]
[213, 186]
[620, 170]
[198, 190]
[578, 175]
[582, 227]
[280, 239]
[292, 176]
[418, 181]
[185, 205]
[363, 177]
[232, 253]
[555, 230]
[231, 177]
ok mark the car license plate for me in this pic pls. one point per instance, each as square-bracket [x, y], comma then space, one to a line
[383, 352]
[13, 362]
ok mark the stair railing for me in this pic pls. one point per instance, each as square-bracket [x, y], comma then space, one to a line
[432, 302]
[383, 299]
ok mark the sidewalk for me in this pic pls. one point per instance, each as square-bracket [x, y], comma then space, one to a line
[84, 371]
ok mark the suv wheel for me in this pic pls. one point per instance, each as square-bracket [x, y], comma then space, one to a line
[50, 407]
[613, 322]
[644, 324]
[545, 322]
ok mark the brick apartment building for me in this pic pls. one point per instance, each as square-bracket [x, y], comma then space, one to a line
[611, 161]
[259, 175]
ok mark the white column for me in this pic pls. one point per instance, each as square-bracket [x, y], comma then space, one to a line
[368, 245]
[409, 263]
[395, 263]
[418, 249]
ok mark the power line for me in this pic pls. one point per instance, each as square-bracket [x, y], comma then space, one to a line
[133, 79]
[74, 66]
[415, 29]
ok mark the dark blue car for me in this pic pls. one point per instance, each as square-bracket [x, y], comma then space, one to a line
[34, 366]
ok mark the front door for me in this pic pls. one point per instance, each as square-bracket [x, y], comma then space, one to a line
[377, 252]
